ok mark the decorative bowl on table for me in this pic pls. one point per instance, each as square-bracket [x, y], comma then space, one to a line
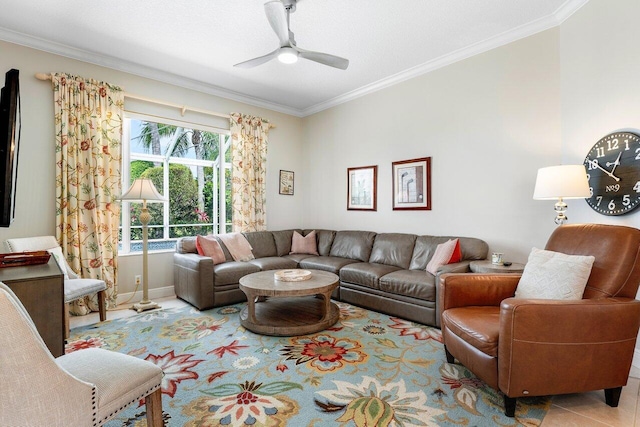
[293, 275]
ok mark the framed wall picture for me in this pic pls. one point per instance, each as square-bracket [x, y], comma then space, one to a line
[412, 184]
[286, 183]
[362, 188]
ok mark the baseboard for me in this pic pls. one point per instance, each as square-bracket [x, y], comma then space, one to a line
[636, 358]
[155, 293]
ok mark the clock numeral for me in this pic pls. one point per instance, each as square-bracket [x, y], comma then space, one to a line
[600, 152]
[636, 187]
[588, 177]
[626, 143]
[591, 192]
[626, 200]
[599, 198]
[593, 164]
[612, 145]
[612, 205]
[637, 153]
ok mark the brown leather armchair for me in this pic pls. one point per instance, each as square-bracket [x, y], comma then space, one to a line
[536, 347]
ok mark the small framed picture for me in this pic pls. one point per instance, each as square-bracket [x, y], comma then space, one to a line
[412, 184]
[286, 183]
[362, 188]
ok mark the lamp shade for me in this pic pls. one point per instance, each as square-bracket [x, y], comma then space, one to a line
[565, 181]
[142, 189]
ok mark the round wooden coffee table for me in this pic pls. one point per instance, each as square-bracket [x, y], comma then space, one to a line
[289, 308]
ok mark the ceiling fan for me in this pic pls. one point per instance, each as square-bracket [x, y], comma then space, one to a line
[278, 13]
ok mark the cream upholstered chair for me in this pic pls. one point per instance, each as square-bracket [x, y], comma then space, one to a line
[74, 286]
[84, 388]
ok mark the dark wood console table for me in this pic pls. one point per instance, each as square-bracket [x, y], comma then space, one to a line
[40, 288]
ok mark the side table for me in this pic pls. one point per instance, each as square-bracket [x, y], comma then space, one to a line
[487, 267]
[40, 288]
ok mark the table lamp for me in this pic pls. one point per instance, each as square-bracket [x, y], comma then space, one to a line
[561, 182]
[143, 190]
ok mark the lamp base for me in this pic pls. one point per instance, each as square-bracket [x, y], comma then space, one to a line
[145, 305]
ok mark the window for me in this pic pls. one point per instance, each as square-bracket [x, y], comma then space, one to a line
[193, 163]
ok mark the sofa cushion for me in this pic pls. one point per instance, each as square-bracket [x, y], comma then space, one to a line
[326, 263]
[282, 239]
[229, 273]
[262, 243]
[365, 273]
[479, 326]
[325, 240]
[298, 257]
[355, 245]
[304, 245]
[410, 283]
[274, 263]
[393, 249]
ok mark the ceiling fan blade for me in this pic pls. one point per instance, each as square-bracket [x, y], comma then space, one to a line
[259, 60]
[323, 58]
[277, 17]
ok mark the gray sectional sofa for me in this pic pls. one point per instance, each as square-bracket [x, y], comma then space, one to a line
[385, 272]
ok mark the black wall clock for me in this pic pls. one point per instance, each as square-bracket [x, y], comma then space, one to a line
[613, 170]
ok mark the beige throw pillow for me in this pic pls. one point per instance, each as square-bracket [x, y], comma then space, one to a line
[304, 244]
[553, 275]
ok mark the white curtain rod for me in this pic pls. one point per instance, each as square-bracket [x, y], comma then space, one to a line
[183, 109]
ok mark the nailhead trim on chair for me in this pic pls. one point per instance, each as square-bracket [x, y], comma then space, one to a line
[94, 405]
[148, 392]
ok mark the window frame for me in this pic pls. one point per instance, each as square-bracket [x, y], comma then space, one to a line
[219, 166]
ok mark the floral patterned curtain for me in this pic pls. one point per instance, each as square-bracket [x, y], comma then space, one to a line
[88, 123]
[248, 172]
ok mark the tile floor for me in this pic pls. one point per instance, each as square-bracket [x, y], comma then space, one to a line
[573, 410]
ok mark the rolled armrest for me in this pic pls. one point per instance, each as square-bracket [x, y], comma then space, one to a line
[462, 290]
[193, 279]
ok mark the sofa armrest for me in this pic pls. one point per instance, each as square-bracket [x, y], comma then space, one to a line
[193, 279]
[544, 342]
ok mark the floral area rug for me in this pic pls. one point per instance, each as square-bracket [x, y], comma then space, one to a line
[369, 369]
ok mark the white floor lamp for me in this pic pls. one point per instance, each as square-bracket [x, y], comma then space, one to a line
[143, 190]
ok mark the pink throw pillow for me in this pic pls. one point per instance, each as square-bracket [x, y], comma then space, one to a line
[304, 245]
[441, 257]
[209, 246]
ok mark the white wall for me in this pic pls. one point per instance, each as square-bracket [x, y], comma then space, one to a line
[600, 76]
[488, 123]
[35, 204]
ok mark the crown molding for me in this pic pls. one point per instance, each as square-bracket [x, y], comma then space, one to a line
[529, 29]
[558, 17]
[140, 70]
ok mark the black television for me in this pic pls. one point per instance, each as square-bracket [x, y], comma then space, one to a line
[9, 143]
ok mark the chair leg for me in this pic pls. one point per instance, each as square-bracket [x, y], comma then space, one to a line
[450, 358]
[509, 406]
[66, 321]
[102, 305]
[612, 396]
[153, 403]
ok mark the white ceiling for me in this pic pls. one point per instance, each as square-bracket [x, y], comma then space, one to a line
[195, 43]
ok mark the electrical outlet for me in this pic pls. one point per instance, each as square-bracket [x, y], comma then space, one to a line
[138, 279]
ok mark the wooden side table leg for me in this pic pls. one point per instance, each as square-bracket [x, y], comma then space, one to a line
[251, 308]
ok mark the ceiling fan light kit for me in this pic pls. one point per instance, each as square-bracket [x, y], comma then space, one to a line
[278, 14]
[287, 55]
